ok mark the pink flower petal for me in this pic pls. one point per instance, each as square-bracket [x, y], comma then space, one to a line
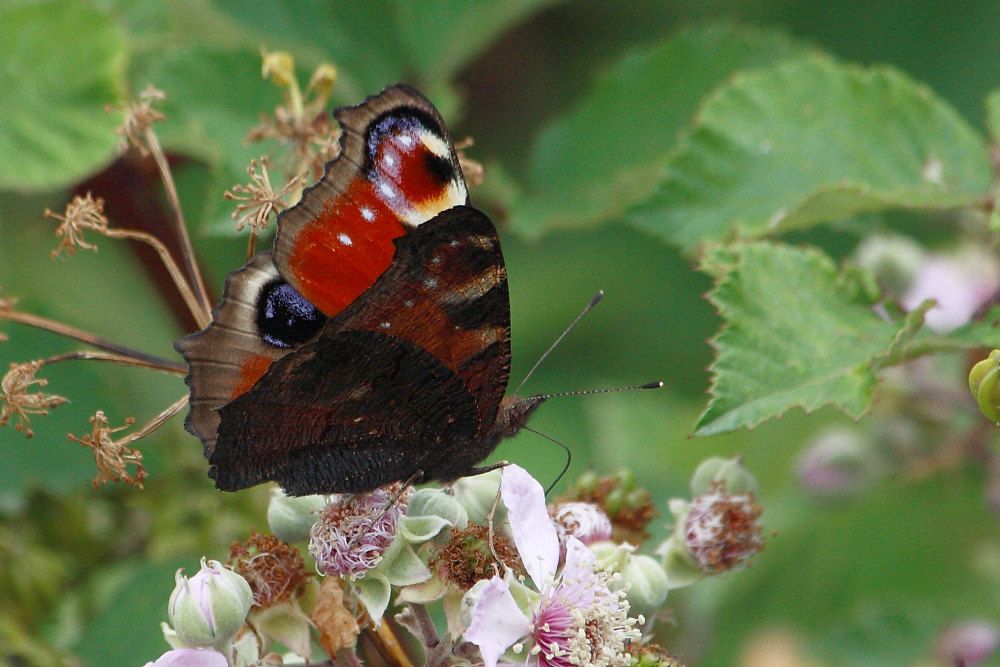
[534, 534]
[190, 657]
[497, 622]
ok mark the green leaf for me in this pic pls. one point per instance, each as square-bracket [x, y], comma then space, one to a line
[61, 63]
[810, 141]
[796, 333]
[443, 35]
[608, 153]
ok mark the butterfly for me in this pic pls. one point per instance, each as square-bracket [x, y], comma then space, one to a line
[373, 344]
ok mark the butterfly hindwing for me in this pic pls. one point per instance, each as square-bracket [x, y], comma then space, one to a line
[412, 374]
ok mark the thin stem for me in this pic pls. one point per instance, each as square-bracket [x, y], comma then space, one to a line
[125, 360]
[159, 420]
[90, 339]
[202, 305]
[201, 313]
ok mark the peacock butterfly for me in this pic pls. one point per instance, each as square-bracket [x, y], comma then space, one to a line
[373, 345]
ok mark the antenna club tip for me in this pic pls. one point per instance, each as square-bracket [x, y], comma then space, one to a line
[652, 385]
[597, 297]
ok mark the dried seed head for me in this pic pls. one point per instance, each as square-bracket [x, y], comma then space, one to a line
[112, 456]
[274, 569]
[82, 213]
[471, 169]
[19, 402]
[139, 116]
[467, 557]
[259, 200]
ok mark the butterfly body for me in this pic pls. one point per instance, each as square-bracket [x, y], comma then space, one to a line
[374, 345]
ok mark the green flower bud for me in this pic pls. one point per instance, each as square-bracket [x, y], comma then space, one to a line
[646, 583]
[290, 518]
[478, 494]
[430, 511]
[208, 609]
[983, 380]
[730, 473]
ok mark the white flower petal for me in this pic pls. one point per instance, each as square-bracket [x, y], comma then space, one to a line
[534, 534]
[497, 622]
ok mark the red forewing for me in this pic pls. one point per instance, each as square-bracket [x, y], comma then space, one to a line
[397, 169]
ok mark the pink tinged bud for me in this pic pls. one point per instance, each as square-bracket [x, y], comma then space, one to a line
[208, 609]
[585, 521]
[835, 465]
[959, 285]
[190, 657]
[968, 643]
[721, 531]
[354, 531]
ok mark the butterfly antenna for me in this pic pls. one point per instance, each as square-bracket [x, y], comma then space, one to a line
[569, 457]
[593, 302]
[648, 385]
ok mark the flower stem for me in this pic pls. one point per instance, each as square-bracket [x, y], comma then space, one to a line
[196, 298]
[139, 358]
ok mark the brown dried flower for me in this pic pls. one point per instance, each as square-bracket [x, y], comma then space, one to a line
[112, 456]
[302, 120]
[19, 402]
[82, 213]
[471, 169]
[139, 117]
[274, 569]
[259, 199]
[467, 557]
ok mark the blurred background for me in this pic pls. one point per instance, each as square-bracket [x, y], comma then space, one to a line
[874, 573]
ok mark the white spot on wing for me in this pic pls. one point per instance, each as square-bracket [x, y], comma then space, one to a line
[386, 189]
[430, 283]
[406, 140]
[386, 325]
[367, 214]
[345, 239]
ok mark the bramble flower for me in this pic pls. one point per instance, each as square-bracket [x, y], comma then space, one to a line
[354, 530]
[960, 284]
[207, 610]
[969, 643]
[18, 402]
[190, 657]
[572, 618]
[81, 213]
[113, 456]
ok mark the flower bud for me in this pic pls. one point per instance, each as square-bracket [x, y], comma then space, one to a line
[835, 465]
[971, 642]
[721, 531]
[208, 609]
[291, 517]
[645, 582]
[729, 473]
[430, 511]
[983, 380]
[585, 521]
[478, 494]
[280, 67]
[322, 80]
[893, 260]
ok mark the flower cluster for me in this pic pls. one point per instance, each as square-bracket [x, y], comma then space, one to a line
[520, 581]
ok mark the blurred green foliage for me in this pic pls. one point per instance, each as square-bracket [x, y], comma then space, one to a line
[617, 138]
